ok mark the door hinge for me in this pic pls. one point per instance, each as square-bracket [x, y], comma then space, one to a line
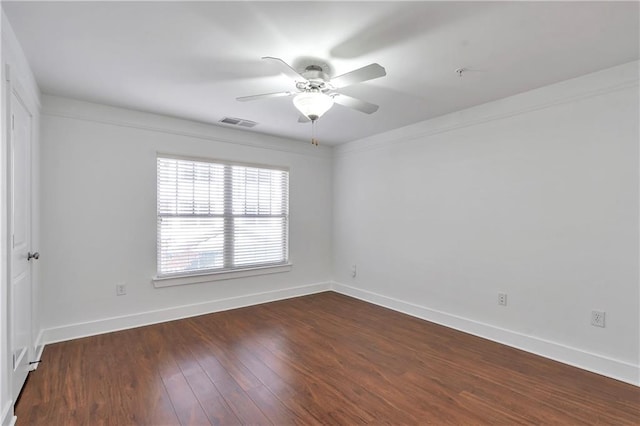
[13, 122]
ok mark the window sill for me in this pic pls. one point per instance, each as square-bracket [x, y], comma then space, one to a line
[173, 280]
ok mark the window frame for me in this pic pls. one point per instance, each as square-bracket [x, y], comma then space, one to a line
[224, 273]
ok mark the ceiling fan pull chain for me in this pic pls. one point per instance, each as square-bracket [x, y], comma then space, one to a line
[314, 141]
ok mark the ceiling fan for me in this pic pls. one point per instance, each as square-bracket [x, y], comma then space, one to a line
[317, 92]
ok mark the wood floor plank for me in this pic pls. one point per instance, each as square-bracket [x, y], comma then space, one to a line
[184, 401]
[319, 359]
[212, 402]
[318, 401]
[225, 363]
[396, 394]
[236, 404]
[273, 408]
[150, 399]
[275, 348]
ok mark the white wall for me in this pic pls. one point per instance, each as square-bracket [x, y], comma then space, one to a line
[99, 217]
[534, 195]
[15, 68]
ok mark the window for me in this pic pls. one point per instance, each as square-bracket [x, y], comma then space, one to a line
[215, 217]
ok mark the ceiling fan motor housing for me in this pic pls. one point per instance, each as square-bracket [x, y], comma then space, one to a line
[317, 79]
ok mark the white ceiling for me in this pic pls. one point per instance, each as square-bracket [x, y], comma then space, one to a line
[192, 59]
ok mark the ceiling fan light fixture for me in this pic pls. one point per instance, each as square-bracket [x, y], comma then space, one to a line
[313, 104]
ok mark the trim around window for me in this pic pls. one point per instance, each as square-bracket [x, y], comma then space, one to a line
[209, 276]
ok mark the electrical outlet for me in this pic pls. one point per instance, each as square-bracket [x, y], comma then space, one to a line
[354, 271]
[502, 299]
[121, 289]
[597, 318]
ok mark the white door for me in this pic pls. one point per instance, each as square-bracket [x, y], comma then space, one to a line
[20, 243]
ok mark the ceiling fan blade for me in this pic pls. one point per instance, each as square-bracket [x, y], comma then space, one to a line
[365, 73]
[286, 68]
[357, 104]
[303, 119]
[264, 96]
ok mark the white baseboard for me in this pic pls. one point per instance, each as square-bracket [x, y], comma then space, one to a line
[609, 367]
[107, 325]
[605, 366]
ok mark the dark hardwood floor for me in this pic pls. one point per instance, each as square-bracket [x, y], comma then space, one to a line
[320, 359]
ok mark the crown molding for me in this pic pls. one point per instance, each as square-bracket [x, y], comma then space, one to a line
[56, 106]
[611, 80]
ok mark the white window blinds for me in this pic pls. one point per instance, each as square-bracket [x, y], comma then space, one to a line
[215, 216]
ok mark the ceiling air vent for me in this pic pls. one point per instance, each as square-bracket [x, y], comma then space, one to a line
[238, 122]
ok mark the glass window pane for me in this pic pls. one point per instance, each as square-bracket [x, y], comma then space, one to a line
[190, 244]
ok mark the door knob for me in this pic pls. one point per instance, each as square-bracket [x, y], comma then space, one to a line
[35, 256]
